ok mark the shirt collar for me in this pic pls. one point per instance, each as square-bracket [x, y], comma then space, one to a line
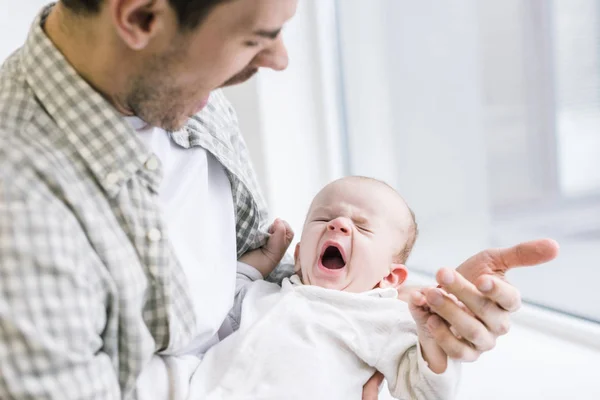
[103, 139]
[295, 280]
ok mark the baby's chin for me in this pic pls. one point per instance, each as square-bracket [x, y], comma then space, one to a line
[329, 285]
[344, 286]
[341, 283]
[338, 284]
[317, 281]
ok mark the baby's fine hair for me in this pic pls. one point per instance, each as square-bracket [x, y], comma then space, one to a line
[413, 229]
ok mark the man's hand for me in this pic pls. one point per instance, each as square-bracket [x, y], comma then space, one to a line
[479, 284]
[478, 313]
[371, 388]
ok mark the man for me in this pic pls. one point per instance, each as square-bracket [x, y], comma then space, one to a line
[126, 196]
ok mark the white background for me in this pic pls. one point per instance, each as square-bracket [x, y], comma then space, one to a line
[295, 122]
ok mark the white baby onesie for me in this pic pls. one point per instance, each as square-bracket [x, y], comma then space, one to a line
[306, 342]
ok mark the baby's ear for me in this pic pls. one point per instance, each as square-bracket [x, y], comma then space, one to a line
[297, 258]
[396, 277]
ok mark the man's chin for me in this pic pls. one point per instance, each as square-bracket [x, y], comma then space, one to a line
[241, 78]
[173, 125]
[233, 82]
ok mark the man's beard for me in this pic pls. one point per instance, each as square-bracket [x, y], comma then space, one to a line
[157, 105]
[241, 77]
[153, 99]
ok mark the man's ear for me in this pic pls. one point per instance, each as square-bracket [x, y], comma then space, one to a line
[138, 21]
[297, 258]
[395, 278]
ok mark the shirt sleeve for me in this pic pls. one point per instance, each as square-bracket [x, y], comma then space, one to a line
[246, 274]
[258, 235]
[285, 269]
[409, 376]
[51, 313]
[167, 377]
[386, 339]
[401, 361]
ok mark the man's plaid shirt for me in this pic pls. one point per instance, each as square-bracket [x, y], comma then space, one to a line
[89, 286]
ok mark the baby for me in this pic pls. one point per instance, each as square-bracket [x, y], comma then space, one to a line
[326, 330]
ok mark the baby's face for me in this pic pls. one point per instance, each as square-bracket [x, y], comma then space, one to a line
[353, 232]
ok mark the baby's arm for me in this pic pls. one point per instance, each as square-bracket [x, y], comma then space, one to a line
[256, 265]
[409, 376]
[433, 354]
[413, 364]
[266, 258]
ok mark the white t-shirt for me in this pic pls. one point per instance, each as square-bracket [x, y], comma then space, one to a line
[197, 205]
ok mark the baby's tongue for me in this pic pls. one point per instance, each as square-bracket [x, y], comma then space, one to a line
[333, 262]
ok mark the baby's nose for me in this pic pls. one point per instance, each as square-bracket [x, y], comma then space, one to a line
[340, 225]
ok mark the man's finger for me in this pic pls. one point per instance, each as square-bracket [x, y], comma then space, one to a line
[528, 253]
[500, 292]
[371, 388]
[498, 261]
[455, 348]
[470, 328]
[482, 305]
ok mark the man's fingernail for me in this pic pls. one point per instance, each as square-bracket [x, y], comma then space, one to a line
[436, 298]
[486, 285]
[447, 277]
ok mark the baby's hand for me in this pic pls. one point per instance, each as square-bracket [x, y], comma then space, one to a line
[266, 258]
[421, 311]
[423, 316]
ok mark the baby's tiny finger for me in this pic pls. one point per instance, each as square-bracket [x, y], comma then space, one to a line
[289, 232]
[271, 229]
[417, 299]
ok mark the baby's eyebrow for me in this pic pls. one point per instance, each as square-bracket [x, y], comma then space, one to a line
[334, 211]
[360, 219]
[321, 209]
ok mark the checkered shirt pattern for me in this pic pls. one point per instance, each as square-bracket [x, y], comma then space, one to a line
[90, 288]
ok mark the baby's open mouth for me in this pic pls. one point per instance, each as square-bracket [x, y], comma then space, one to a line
[332, 258]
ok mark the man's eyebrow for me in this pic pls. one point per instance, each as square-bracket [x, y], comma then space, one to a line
[269, 34]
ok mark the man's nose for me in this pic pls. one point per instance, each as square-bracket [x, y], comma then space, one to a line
[340, 225]
[274, 57]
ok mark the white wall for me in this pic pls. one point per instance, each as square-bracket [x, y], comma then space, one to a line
[413, 101]
[295, 148]
[15, 19]
[413, 84]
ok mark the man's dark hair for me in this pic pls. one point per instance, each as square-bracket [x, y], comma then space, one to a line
[189, 12]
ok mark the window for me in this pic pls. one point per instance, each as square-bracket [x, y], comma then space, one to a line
[486, 117]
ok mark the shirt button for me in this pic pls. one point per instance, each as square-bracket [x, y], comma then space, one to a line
[154, 235]
[112, 178]
[152, 163]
